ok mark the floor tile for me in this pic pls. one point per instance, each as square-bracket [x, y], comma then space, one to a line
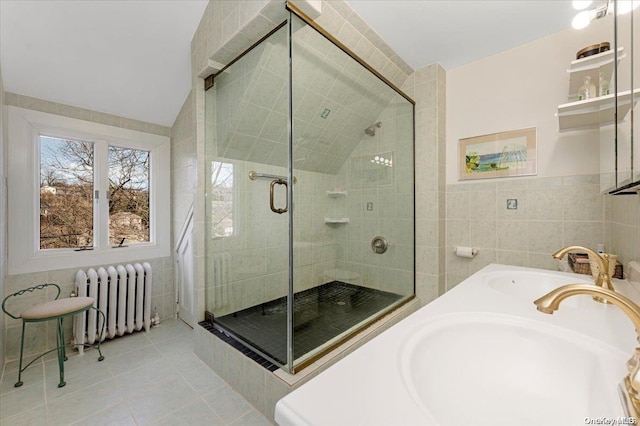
[136, 382]
[131, 360]
[161, 401]
[124, 344]
[33, 417]
[80, 372]
[118, 415]
[34, 375]
[22, 399]
[201, 378]
[146, 378]
[167, 330]
[196, 413]
[227, 403]
[252, 418]
[78, 405]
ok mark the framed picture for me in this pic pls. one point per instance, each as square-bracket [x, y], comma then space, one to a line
[504, 154]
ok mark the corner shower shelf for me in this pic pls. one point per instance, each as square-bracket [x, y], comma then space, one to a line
[336, 220]
[336, 193]
[591, 113]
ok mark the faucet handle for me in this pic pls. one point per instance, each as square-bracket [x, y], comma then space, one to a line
[633, 362]
[633, 365]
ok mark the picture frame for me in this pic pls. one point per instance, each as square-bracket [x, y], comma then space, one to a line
[505, 154]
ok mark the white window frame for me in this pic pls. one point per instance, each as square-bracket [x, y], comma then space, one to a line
[24, 254]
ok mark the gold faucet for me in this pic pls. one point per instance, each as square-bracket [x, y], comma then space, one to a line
[603, 280]
[630, 387]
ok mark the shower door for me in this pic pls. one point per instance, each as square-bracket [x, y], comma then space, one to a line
[310, 196]
[247, 263]
[353, 216]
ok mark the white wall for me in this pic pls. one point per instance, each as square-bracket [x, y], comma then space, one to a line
[562, 205]
[522, 87]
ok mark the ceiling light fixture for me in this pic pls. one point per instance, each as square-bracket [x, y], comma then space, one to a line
[581, 4]
[584, 18]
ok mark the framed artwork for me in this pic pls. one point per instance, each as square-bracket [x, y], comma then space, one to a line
[504, 154]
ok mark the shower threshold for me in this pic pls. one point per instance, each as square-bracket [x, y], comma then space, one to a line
[320, 314]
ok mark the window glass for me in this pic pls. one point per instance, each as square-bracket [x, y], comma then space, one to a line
[66, 193]
[221, 199]
[128, 196]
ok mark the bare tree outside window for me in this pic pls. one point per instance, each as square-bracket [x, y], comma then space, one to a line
[66, 193]
[221, 199]
[67, 190]
[128, 195]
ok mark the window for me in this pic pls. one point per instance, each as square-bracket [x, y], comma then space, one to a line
[66, 193]
[221, 199]
[100, 193]
[128, 196]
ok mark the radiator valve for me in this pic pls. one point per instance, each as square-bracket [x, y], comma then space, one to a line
[156, 318]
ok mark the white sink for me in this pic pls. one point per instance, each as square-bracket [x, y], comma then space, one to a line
[493, 369]
[479, 355]
[529, 286]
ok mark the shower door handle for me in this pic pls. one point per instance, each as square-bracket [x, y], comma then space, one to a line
[271, 196]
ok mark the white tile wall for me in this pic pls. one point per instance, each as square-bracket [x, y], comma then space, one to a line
[427, 87]
[552, 213]
[625, 227]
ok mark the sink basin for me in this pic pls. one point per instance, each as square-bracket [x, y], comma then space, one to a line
[529, 286]
[498, 369]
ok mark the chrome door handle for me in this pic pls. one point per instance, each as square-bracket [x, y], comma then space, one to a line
[271, 197]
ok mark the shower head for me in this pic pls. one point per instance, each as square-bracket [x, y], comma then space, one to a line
[371, 130]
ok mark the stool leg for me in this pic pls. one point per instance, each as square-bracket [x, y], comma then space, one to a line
[60, 354]
[19, 382]
[64, 345]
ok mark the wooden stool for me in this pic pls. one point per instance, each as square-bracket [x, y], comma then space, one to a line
[57, 309]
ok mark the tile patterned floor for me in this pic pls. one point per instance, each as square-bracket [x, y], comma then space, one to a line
[321, 313]
[146, 379]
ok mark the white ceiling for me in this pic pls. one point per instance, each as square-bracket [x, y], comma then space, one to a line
[129, 58]
[132, 58]
[456, 32]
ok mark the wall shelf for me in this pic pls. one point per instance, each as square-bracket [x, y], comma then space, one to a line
[592, 66]
[592, 113]
[336, 193]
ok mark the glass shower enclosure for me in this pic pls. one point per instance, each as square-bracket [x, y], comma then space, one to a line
[310, 196]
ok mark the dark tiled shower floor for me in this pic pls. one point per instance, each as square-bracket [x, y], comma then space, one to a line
[320, 314]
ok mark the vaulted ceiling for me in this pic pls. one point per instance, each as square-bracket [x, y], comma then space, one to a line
[132, 58]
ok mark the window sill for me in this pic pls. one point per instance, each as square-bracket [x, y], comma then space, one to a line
[66, 259]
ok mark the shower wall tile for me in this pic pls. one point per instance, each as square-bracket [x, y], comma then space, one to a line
[429, 165]
[551, 213]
